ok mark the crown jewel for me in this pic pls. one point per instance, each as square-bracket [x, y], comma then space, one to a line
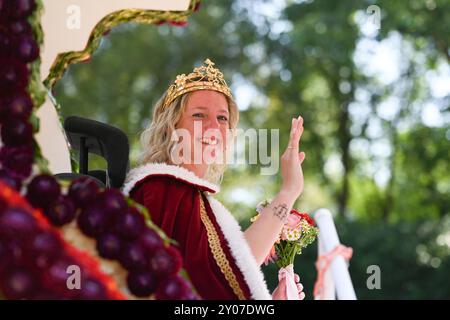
[205, 77]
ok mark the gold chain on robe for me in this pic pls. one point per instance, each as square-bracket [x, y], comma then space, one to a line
[218, 253]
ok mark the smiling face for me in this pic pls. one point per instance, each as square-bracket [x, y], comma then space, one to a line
[206, 120]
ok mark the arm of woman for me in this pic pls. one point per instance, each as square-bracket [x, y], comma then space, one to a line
[262, 234]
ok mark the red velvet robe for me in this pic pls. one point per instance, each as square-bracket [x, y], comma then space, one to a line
[171, 195]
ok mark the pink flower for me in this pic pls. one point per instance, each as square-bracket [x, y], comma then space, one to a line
[296, 217]
[294, 220]
[271, 257]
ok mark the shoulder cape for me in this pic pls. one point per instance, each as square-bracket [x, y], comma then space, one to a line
[230, 228]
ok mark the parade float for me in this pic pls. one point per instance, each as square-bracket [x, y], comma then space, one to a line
[70, 233]
[70, 236]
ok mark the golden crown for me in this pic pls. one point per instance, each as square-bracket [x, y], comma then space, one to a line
[205, 77]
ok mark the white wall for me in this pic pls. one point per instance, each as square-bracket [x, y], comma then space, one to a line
[63, 33]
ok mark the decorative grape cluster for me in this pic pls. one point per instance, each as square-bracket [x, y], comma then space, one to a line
[120, 232]
[34, 259]
[18, 48]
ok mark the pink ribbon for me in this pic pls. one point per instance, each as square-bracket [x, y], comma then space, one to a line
[324, 261]
[287, 273]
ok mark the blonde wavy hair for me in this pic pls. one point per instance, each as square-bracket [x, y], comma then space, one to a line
[156, 139]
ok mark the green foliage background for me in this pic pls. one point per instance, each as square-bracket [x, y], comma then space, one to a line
[304, 57]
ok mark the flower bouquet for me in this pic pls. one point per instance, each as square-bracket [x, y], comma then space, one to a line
[298, 232]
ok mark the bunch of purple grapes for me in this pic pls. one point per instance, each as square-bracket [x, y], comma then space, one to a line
[33, 262]
[120, 232]
[18, 48]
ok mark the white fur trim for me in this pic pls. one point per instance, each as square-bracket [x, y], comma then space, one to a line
[240, 250]
[139, 173]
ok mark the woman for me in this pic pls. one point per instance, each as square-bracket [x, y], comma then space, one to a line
[183, 160]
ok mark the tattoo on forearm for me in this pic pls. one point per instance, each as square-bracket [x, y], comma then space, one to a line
[281, 211]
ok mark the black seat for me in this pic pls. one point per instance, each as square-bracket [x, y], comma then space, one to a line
[90, 136]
